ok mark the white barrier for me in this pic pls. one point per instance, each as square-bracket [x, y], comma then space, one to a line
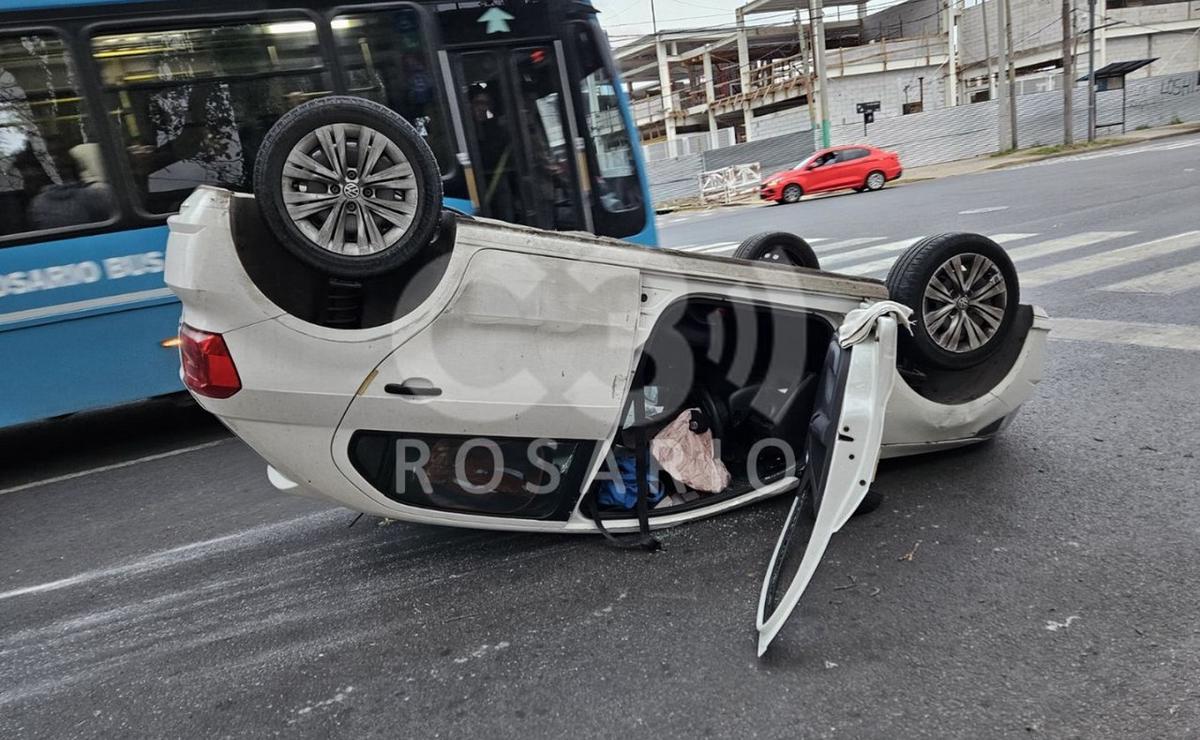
[725, 184]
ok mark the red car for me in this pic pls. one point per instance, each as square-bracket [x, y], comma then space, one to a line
[859, 167]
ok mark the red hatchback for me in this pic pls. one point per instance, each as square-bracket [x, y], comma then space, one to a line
[859, 167]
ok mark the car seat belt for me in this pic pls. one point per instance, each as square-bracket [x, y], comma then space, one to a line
[644, 539]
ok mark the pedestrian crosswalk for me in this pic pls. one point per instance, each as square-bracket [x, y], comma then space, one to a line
[1115, 261]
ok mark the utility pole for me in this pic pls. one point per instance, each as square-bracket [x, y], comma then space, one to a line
[1068, 75]
[1012, 73]
[806, 71]
[952, 48]
[653, 18]
[1091, 70]
[987, 52]
[817, 14]
[1005, 122]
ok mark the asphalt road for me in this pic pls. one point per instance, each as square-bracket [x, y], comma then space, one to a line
[1041, 585]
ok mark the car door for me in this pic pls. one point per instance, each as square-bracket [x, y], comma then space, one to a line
[821, 172]
[845, 172]
[841, 452]
[514, 379]
[840, 172]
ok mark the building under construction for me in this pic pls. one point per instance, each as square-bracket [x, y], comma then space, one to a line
[755, 77]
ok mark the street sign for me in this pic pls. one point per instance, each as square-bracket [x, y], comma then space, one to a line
[867, 111]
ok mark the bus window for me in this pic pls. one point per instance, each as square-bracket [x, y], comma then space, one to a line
[51, 173]
[617, 191]
[552, 178]
[386, 58]
[193, 104]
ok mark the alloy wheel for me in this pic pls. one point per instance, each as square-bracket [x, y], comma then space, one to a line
[349, 189]
[964, 303]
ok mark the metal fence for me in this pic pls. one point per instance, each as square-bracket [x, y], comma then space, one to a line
[679, 177]
[948, 134]
[727, 183]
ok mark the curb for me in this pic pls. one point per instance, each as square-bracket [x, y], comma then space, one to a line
[1099, 147]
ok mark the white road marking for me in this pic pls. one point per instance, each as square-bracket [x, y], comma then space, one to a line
[882, 265]
[719, 247]
[1163, 336]
[1106, 260]
[856, 242]
[1063, 244]
[166, 558]
[716, 247]
[988, 209]
[1164, 282]
[856, 254]
[115, 466]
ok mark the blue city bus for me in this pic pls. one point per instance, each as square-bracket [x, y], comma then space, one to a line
[112, 112]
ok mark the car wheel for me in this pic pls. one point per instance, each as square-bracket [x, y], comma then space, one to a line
[777, 248]
[348, 186]
[875, 181]
[963, 291]
[792, 193]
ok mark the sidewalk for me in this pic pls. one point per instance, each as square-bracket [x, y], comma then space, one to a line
[1024, 156]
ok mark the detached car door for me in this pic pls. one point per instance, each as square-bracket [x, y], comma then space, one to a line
[841, 452]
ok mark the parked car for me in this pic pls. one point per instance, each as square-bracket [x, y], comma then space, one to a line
[421, 365]
[859, 167]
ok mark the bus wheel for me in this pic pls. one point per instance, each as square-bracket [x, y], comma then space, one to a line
[348, 186]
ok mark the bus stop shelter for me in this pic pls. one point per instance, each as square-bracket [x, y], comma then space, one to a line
[1112, 77]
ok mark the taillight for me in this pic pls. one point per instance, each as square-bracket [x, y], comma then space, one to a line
[208, 367]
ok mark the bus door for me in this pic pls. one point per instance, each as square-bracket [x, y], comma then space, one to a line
[519, 142]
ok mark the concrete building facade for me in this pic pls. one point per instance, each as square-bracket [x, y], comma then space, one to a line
[693, 90]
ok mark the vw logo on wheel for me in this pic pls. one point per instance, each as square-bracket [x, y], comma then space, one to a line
[351, 190]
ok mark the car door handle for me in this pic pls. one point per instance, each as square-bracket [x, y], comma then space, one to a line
[411, 389]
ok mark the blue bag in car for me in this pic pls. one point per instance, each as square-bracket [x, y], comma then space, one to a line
[623, 494]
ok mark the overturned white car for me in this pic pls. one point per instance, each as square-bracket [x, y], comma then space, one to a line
[427, 366]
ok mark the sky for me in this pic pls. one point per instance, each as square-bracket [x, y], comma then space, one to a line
[624, 18]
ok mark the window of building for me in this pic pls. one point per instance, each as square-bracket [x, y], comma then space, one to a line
[386, 57]
[51, 172]
[194, 103]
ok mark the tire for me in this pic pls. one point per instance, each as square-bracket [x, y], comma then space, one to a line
[792, 194]
[777, 248]
[397, 222]
[956, 324]
[875, 181]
